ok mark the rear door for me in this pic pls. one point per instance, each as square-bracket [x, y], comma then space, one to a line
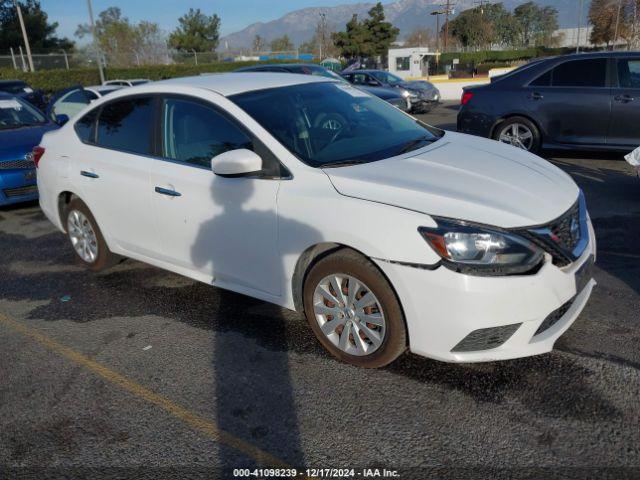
[624, 128]
[572, 101]
[112, 167]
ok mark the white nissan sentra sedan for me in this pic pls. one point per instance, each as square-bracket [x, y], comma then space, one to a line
[311, 194]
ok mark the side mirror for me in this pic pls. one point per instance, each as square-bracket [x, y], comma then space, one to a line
[236, 163]
[62, 119]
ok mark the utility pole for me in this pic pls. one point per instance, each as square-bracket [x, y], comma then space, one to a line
[447, 11]
[579, 26]
[323, 28]
[96, 45]
[24, 35]
[437, 14]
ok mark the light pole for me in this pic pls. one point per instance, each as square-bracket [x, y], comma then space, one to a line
[96, 45]
[437, 14]
[579, 26]
[24, 35]
[615, 36]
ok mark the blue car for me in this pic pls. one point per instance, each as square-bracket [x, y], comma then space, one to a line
[21, 128]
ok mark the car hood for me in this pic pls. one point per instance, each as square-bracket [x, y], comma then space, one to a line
[16, 143]
[466, 178]
[382, 92]
[419, 85]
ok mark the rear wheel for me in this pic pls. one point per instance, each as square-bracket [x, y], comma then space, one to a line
[86, 238]
[519, 132]
[353, 310]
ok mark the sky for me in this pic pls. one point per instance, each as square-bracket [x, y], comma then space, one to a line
[235, 14]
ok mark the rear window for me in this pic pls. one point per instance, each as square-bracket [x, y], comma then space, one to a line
[127, 125]
[85, 127]
[581, 73]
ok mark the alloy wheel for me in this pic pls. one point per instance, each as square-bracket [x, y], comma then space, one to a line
[349, 314]
[82, 236]
[518, 135]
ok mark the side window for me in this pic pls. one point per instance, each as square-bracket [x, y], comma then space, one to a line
[360, 79]
[85, 127]
[127, 125]
[543, 80]
[629, 73]
[581, 73]
[194, 133]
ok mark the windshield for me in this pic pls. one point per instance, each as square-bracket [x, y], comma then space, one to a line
[386, 77]
[15, 113]
[329, 124]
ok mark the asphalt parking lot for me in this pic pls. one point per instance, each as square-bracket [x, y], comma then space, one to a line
[140, 370]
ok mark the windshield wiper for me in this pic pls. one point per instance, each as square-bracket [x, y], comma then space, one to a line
[413, 145]
[344, 163]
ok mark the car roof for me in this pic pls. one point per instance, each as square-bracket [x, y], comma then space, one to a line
[6, 96]
[239, 82]
[11, 82]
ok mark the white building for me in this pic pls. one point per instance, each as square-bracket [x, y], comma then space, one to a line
[410, 62]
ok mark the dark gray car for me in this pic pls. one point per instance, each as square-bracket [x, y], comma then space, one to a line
[575, 102]
[392, 96]
[423, 95]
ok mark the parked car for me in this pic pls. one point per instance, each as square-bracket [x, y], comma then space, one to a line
[387, 233]
[391, 96]
[131, 82]
[21, 129]
[22, 90]
[422, 95]
[587, 101]
[72, 100]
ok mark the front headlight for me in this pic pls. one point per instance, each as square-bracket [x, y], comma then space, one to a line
[479, 250]
[409, 94]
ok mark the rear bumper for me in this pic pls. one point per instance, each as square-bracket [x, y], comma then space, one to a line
[15, 187]
[442, 308]
[475, 123]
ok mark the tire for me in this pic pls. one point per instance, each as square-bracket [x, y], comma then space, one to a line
[522, 124]
[82, 226]
[385, 339]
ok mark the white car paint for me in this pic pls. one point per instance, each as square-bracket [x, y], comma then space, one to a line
[248, 235]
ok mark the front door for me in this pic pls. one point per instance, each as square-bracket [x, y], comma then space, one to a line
[624, 128]
[571, 102]
[222, 230]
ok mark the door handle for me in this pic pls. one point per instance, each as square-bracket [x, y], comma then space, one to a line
[536, 96]
[84, 173]
[623, 98]
[168, 192]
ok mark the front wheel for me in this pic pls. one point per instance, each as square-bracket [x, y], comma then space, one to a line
[519, 132]
[86, 238]
[353, 310]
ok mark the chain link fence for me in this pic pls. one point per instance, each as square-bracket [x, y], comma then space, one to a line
[19, 61]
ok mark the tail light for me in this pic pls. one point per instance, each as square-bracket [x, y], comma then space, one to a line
[37, 153]
[466, 97]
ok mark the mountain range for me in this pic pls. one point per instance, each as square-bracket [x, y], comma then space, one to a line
[407, 15]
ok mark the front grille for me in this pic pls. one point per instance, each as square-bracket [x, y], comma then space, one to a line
[486, 338]
[554, 317]
[562, 236]
[18, 192]
[17, 164]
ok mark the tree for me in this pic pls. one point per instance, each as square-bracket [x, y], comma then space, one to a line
[196, 31]
[472, 28]
[321, 44]
[371, 37]
[41, 33]
[382, 33]
[258, 43]
[124, 43]
[535, 24]
[607, 21]
[420, 37]
[282, 44]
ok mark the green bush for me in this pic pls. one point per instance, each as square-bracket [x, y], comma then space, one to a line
[53, 80]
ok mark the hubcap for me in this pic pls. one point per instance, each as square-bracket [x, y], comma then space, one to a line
[349, 314]
[82, 236]
[518, 135]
